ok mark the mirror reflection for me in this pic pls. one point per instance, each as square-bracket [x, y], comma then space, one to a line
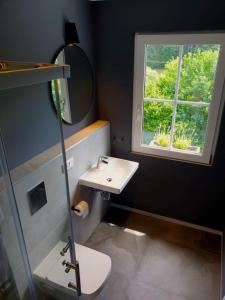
[76, 92]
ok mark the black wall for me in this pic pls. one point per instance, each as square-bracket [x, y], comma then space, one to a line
[34, 31]
[181, 190]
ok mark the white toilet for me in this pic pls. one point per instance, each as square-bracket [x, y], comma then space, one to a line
[95, 268]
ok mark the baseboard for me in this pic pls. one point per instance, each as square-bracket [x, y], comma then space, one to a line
[221, 270]
[172, 220]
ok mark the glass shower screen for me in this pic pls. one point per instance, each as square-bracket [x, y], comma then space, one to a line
[34, 197]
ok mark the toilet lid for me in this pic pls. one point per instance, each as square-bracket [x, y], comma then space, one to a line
[95, 268]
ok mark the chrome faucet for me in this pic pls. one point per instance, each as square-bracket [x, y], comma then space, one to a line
[102, 158]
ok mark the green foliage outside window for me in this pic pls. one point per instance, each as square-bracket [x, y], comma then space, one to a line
[57, 85]
[196, 84]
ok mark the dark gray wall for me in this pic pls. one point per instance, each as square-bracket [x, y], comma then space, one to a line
[184, 191]
[34, 31]
[223, 265]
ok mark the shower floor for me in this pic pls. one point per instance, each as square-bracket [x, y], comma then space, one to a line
[157, 260]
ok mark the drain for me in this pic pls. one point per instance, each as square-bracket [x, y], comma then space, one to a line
[109, 179]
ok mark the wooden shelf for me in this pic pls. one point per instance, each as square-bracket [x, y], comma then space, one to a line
[15, 74]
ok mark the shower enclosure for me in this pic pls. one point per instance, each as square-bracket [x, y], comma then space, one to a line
[34, 195]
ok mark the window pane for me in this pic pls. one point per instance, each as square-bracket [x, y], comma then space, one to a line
[190, 128]
[198, 72]
[56, 85]
[157, 124]
[161, 71]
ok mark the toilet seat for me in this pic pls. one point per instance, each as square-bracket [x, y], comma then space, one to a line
[95, 268]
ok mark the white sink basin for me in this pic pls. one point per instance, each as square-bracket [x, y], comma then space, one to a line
[111, 177]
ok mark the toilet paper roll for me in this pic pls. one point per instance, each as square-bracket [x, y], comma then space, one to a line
[81, 209]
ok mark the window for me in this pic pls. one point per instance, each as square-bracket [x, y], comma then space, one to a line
[178, 85]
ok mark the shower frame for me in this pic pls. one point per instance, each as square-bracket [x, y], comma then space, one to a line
[16, 74]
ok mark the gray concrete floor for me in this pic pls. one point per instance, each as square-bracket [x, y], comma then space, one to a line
[157, 260]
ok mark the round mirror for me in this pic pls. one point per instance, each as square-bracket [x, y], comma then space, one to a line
[75, 93]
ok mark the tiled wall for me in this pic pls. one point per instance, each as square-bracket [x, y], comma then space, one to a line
[85, 155]
[48, 225]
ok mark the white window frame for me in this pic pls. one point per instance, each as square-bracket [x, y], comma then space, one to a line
[216, 105]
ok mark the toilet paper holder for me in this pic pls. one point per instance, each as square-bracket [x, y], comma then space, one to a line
[75, 209]
[81, 209]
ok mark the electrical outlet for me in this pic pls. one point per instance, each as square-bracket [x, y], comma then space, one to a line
[70, 163]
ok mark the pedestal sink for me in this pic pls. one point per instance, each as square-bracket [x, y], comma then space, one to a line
[110, 177]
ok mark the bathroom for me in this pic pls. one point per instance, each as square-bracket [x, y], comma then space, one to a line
[161, 237]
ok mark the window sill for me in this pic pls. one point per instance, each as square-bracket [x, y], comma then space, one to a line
[210, 164]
